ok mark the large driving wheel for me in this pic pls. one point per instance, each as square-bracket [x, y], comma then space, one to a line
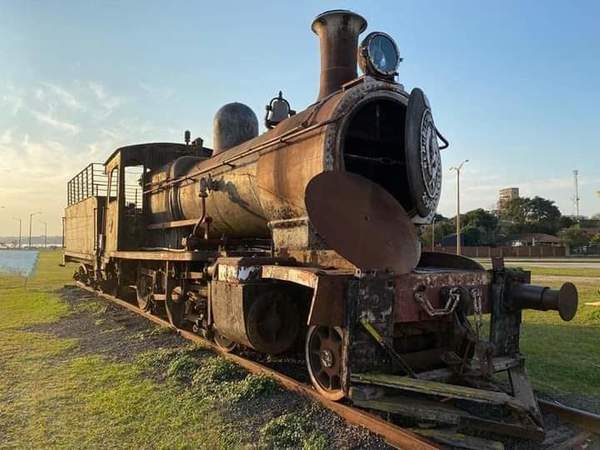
[82, 274]
[143, 291]
[175, 307]
[273, 323]
[109, 283]
[324, 360]
[225, 344]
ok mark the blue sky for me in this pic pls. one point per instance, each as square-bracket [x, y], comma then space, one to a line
[513, 85]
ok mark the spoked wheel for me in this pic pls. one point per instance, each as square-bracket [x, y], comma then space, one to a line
[225, 344]
[324, 360]
[82, 275]
[175, 307]
[143, 291]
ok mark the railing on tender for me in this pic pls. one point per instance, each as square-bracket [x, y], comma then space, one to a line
[91, 181]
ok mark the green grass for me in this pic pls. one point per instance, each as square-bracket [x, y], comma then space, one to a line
[53, 397]
[564, 357]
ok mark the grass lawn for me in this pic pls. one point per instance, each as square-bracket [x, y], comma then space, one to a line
[52, 395]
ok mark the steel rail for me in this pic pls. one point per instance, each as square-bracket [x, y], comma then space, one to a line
[394, 435]
[585, 420]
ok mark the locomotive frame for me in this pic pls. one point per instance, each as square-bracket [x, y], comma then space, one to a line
[232, 241]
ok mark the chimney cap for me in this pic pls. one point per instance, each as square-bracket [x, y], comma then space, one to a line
[334, 12]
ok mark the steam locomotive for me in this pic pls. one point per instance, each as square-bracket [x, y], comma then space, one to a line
[307, 235]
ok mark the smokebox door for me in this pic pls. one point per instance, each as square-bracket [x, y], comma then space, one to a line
[423, 161]
[362, 222]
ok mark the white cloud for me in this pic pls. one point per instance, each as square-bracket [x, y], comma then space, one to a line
[6, 137]
[163, 93]
[13, 102]
[62, 95]
[107, 102]
[62, 125]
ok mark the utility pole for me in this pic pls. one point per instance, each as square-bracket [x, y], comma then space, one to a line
[576, 199]
[30, 220]
[433, 234]
[458, 169]
[45, 234]
[20, 223]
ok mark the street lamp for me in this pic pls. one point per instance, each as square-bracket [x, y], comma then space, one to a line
[20, 223]
[30, 219]
[45, 234]
[458, 169]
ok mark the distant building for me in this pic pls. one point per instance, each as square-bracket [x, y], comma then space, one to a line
[535, 240]
[506, 195]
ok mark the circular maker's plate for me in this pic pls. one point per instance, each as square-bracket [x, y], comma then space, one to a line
[362, 222]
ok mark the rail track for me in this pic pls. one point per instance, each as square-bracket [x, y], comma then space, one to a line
[394, 435]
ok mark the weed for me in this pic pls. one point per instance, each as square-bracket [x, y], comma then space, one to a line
[161, 331]
[182, 367]
[251, 387]
[286, 431]
[315, 441]
[215, 370]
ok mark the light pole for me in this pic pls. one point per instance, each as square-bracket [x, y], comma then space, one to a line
[30, 220]
[458, 169]
[20, 223]
[433, 235]
[45, 234]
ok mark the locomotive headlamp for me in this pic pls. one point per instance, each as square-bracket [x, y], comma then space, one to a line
[379, 55]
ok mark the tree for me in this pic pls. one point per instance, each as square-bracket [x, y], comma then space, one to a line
[486, 223]
[532, 215]
[471, 236]
[566, 222]
[595, 239]
[574, 236]
[443, 227]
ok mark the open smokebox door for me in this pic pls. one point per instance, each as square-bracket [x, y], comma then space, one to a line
[362, 222]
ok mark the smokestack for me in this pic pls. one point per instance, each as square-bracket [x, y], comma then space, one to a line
[338, 32]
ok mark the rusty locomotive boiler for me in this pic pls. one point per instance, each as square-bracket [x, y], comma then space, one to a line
[307, 235]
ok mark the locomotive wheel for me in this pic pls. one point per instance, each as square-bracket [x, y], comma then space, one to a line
[110, 285]
[273, 323]
[324, 360]
[175, 307]
[143, 293]
[225, 344]
[82, 275]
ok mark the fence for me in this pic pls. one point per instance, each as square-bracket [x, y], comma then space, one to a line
[507, 252]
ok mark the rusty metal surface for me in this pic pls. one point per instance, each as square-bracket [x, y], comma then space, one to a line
[583, 419]
[148, 255]
[338, 32]
[431, 284]
[362, 222]
[328, 304]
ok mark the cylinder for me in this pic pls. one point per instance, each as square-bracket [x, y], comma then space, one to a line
[563, 300]
[338, 32]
